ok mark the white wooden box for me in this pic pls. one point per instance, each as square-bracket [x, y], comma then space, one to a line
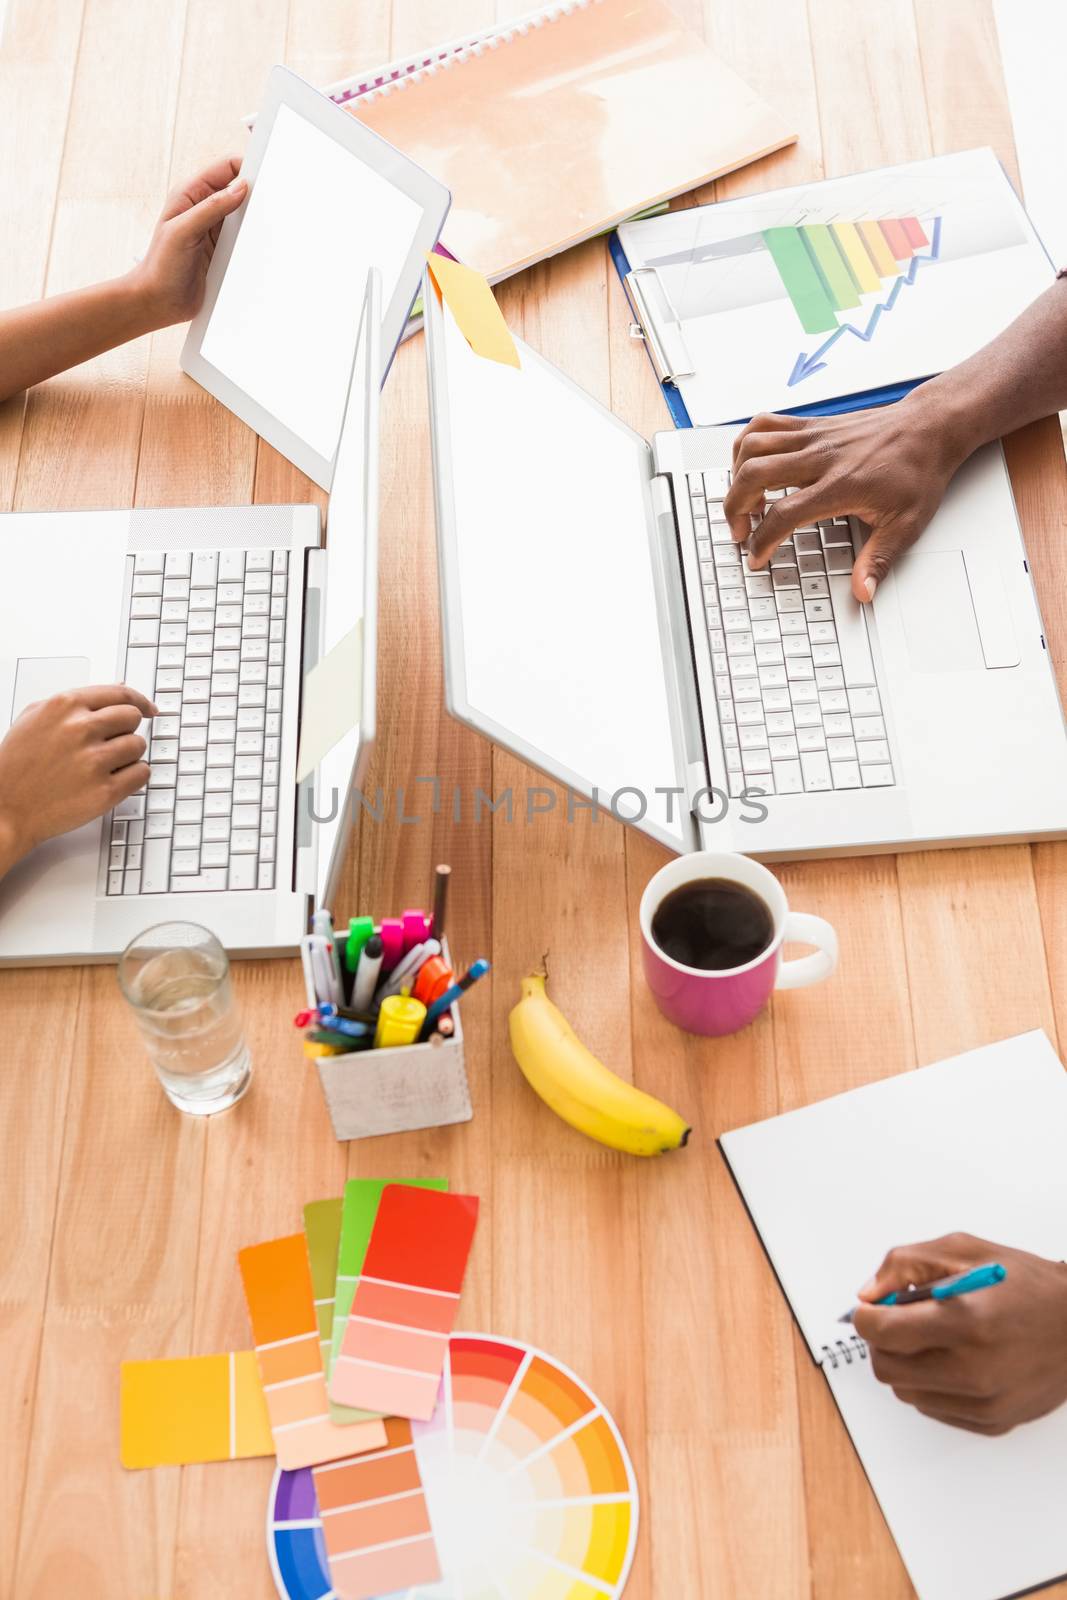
[412, 1086]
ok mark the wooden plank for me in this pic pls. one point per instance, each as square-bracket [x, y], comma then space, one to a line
[125, 1232]
[770, 46]
[869, 79]
[966, 97]
[83, 428]
[39, 49]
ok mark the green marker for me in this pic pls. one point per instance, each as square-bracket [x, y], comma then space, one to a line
[359, 931]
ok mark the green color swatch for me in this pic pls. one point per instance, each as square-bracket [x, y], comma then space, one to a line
[832, 265]
[359, 1209]
[804, 286]
[322, 1230]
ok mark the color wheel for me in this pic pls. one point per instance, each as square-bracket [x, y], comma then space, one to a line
[530, 1490]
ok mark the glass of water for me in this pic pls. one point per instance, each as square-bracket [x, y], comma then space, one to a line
[176, 977]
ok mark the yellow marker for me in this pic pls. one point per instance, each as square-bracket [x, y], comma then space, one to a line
[399, 1021]
[855, 253]
[880, 253]
[313, 1049]
[473, 304]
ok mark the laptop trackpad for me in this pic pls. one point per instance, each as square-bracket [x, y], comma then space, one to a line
[40, 677]
[939, 616]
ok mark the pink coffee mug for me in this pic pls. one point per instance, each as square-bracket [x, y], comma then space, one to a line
[722, 1000]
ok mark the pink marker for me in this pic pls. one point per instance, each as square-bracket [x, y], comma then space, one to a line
[393, 947]
[416, 929]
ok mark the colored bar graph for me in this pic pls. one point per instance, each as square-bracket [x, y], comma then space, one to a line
[914, 230]
[852, 248]
[880, 253]
[831, 265]
[896, 238]
[803, 283]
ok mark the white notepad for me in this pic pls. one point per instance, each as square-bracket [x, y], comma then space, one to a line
[976, 1144]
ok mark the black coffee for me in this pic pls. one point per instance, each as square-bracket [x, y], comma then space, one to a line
[712, 923]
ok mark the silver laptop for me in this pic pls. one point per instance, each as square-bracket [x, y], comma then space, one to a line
[600, 621]
[216, 614]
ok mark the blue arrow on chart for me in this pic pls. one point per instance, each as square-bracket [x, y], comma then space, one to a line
[807, 366]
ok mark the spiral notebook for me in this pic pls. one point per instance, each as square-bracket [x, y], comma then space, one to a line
[974, 1144]
[556, 127]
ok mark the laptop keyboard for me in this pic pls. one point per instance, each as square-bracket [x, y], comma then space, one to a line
[799, 706]
[206, 643]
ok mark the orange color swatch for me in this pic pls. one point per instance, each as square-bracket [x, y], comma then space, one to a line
[281, 1306]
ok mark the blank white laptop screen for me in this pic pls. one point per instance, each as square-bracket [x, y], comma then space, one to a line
[551, 609]
[283, 327]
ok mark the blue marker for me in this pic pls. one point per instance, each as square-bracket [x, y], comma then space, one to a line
[330, 1019]
[476, 970]
[944, 1289]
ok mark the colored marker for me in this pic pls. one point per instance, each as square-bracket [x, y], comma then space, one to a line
[367, 973]
[360, 930]
[322, 924]
[330, 1018]
[943, 1289]
[434, 977]
[327, 983]
[309, 973]
[476, 970]
[441, 878]
[416, 926]
[392, 932]
[405, 970]
[399, 1022]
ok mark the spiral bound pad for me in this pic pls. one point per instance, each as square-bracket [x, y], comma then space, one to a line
[552, 129]
[976, 1144]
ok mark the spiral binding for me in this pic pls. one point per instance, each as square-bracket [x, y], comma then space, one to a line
[399, 78]
[843, 1352]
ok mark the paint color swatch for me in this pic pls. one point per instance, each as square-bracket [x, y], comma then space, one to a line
[374, 1520]
[281, 1306]
[405, 1302]
[530, 1492]
[322, 1231]
[359, 1209]
[194, 1408]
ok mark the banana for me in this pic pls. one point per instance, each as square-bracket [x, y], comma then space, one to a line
[581, 1089]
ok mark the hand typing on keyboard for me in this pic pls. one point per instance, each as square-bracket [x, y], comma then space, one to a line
[67, 760]
[889, 467]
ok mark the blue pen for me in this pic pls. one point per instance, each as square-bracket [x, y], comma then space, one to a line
[476, 970]
[355, 1030]
[944, 1288]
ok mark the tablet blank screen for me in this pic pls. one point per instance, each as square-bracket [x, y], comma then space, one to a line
[284, 324]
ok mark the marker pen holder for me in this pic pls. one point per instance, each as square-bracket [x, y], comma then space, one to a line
[372, 1092]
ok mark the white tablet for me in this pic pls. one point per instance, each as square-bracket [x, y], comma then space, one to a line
[328, 199]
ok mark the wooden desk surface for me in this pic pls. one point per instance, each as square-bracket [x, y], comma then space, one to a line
[121, 1219]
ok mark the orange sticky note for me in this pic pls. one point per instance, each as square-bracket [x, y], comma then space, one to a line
[281, 1305]
[473, 304]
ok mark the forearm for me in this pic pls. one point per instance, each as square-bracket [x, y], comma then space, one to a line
[1020, 376]
[39, 340]
[11, 847]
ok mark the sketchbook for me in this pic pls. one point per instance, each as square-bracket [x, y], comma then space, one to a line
[553, 128]
[829, 296]
[973, 1144]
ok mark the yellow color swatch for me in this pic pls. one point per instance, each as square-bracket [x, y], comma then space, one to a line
[473, 304]
[884, 260]
[855, 253]
[195, 1408]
